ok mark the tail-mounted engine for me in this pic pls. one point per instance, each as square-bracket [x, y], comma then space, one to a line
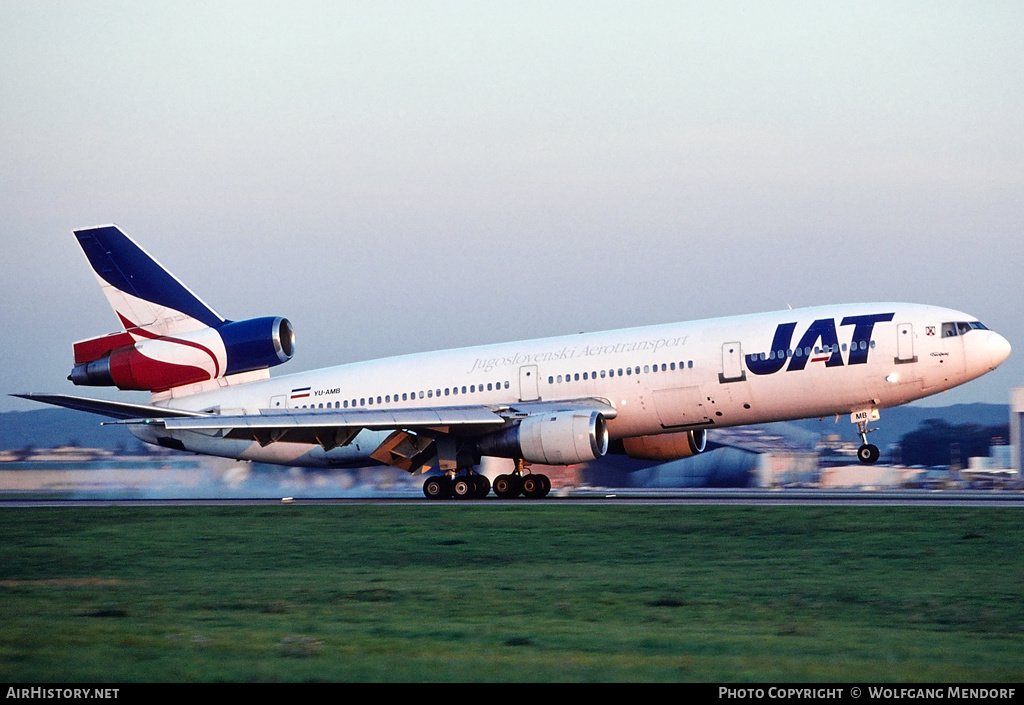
[138, 359]
[558, 438]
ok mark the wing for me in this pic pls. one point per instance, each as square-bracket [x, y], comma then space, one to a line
[334, 428]
[419, 435]
[420, 438]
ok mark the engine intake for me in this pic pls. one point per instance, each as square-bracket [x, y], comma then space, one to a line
[558, 438]
[257, 343]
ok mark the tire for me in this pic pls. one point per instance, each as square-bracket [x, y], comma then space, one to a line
[546, 483]
[868, 454]
[464, 487]
[533, 486]
[483, 486]
[437, 488]
[507, 486]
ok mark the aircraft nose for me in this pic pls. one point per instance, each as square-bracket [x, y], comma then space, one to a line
[998, 350]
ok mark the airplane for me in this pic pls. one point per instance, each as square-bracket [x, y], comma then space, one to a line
[650, 393]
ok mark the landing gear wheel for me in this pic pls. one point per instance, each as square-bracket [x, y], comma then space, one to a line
[507, 486]
[483, 486]
[547, 484]
[437, 488]
[536, 486]
[868, 454]
[464, 487]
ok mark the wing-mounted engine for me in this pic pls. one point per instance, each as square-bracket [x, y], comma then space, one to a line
[666, 446]
[138, 359]
[555, 438]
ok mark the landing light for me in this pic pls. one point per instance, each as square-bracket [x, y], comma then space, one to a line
[893, 378]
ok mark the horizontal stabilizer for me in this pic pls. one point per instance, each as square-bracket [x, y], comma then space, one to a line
[111, 409]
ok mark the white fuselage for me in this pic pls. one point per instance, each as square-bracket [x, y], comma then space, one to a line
[660, 379]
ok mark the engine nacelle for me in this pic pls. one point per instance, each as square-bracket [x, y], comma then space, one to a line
[558, 438]
[257, 343]
[140, 360]
[666, 446]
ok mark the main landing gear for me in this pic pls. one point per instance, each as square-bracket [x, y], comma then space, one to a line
[867, 454]
[471, 485]
[467, 486]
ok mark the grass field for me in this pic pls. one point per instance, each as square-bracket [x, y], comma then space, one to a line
[511, 592]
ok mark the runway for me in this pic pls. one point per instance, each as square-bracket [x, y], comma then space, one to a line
[594, 497]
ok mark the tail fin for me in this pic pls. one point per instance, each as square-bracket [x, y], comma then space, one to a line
[141, 291]
[171, 338]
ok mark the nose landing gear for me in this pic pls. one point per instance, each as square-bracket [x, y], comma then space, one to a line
[867, 454]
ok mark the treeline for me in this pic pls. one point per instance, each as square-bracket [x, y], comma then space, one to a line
[936, 442]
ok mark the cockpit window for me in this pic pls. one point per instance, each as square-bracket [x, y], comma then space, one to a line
[950, 330]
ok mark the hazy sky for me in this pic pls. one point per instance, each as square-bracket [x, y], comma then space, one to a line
[405, 176]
